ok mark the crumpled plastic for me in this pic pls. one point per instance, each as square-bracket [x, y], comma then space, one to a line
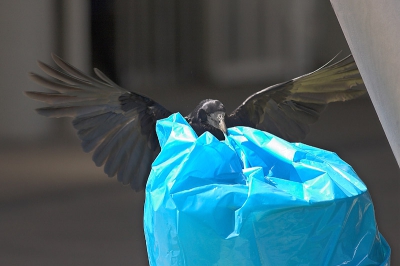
[255, 199]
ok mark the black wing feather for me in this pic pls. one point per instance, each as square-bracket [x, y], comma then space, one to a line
[118, 125]
[287, 109]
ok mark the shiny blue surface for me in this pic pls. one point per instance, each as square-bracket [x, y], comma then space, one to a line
[255, 199]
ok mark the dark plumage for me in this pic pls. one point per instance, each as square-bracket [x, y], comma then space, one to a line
[119, 125]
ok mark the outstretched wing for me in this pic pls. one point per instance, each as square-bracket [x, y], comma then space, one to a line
[287, 109]
[118, 125]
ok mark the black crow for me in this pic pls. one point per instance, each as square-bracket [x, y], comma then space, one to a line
[119, 125]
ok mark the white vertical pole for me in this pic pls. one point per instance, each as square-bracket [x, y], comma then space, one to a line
[372, 30]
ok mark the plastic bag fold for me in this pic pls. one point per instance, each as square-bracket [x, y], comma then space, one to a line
[255, 199]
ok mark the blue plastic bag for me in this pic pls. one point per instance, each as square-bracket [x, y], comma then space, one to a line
[255, 199]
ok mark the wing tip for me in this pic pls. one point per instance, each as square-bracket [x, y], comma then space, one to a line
[55, 57]
[45, 111]
[30, 94]
[41, 64]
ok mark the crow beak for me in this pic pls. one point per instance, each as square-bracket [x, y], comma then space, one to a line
[221, 123]
[217, 120]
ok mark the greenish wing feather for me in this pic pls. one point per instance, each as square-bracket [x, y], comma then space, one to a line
[287, 109]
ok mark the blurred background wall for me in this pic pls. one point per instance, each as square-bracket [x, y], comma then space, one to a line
[57, 208]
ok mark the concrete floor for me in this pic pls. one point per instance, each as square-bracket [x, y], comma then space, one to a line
[57, 208]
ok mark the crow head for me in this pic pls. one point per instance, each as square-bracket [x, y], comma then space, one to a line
[209, 113]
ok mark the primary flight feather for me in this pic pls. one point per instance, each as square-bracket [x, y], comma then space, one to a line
[119, 125]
